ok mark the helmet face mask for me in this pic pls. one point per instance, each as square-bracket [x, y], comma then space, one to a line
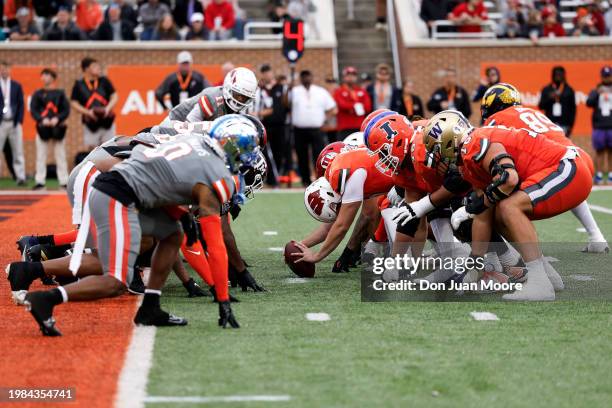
[254, 175]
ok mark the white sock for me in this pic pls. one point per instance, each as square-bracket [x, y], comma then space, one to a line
[64, 293]
[584, 215]
[511, 257]
[443, 231]
[535, 269]
[153, 292]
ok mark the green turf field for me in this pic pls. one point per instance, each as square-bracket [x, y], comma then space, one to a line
[401, 354]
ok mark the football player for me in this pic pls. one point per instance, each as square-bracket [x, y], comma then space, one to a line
[518, 176]
[501, 106]
[192, 171]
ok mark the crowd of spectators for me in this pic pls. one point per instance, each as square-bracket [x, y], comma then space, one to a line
[121, 20]
[531, 19]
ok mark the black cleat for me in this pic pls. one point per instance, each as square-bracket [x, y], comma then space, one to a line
[40, 305]
[137, 286]
[20, 277]
[40, 253]
[157, 317]
[194, 290]
[24, 242]
[226, 316]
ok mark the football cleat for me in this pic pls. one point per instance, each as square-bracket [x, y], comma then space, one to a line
[24, 242]
[20, 277]
[226, 316]
[137, 286]
[157, 317]
[597, 247]
[40, 253]
[40, 305]
[194, 290]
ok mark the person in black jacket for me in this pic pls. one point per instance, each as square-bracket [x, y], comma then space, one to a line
[64, 29]
[182, 84]
[128, 11]
[11, 119]
[184, 9]
[558, 101]
[600, 99]
[50, 109]
[47, 9]
[408, 103]
[114, 27]
[450, 96]
[433, 10]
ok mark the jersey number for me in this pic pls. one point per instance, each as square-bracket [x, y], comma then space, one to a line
[169, 152]
[538, 122]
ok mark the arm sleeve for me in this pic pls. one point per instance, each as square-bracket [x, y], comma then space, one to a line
[210, 228]
[108, 86]
[353, 191]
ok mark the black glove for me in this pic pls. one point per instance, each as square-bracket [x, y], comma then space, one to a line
[214, 294]
[193, 289]
[346, 261]
[475, 203]
[246, 281]
[190, 227]
[454, 182]
[226, 316]
[234, 211]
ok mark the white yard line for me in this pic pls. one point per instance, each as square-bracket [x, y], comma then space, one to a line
[270, 233]
[132, 385]
[212, 400]
[276, 249]
[484, 316]
[601, 209]
[601, 188]
[318, 317]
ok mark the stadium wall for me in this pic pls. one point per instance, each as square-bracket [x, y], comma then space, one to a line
[425, 60]
[66, 57]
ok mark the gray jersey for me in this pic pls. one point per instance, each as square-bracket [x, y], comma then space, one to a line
[207, 105]
[167, 174]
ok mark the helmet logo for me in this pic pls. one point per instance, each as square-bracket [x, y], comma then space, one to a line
[327, 159]
[316, 202]
[388, 130]
[436, 131]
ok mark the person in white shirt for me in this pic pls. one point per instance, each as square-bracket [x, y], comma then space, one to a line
[11, 118]
[311, 105]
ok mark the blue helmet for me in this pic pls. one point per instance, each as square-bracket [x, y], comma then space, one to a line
[239, 139]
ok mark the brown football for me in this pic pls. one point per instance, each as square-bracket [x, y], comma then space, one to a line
[302, 269]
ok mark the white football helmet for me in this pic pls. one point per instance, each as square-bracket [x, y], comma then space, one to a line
[239, 89]
[355, 139]
[321, 201]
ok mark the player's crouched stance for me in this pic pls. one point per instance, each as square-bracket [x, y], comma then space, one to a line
[519, 176]
[192, 171]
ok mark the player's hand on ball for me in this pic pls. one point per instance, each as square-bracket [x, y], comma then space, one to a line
[459, 216]
[226, 316]
[246, 281]
[306, 255]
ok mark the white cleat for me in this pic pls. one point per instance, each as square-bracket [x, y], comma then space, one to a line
[537, 288]
[390, 275]
[438, 276]
[372, 250]
[553, 276]
[597, 247]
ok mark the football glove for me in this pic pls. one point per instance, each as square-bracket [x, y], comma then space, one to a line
[346, 261]
[460, 216]
[394, 198]
[226, 316]
[246, 281]
[414, 210]
[190, 228]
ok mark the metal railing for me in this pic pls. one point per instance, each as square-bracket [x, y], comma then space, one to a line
[489, 31]
[251, 26]
[394, 42]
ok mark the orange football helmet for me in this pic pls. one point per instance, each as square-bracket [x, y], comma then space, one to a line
[370, 116]
[388, 135]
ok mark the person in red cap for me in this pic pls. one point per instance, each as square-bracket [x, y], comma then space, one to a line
[552, 27]
[353, 102]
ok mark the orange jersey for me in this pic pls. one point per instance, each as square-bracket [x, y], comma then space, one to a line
[521, 117]
[345, 164]
[418, 154]
[531, 152]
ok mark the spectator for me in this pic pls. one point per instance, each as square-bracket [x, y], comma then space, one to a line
[197, 30]
[277, 12]
[114, 27]
[330, 127]
[128, 12]
[88, 15]
[11, 119]
[382, 93]
[25, 30]
[409, 104]
[182, 84]
[184, 10]
[150, 14]
[63, 29]
[558, 101]
[271, 108]
[450, 96]
[552, 27]
[534, 26]
[47, 9]
[600, 100]
[514, 20]
[608, 20]
[353, 103]
[220, 20]
[240, 18]
[589, 21]
[492, 78]
[94, 97]
[50, 109]
[310, 106]
[469, 16]
[166, 29]
[434, 10]
[12, 6]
